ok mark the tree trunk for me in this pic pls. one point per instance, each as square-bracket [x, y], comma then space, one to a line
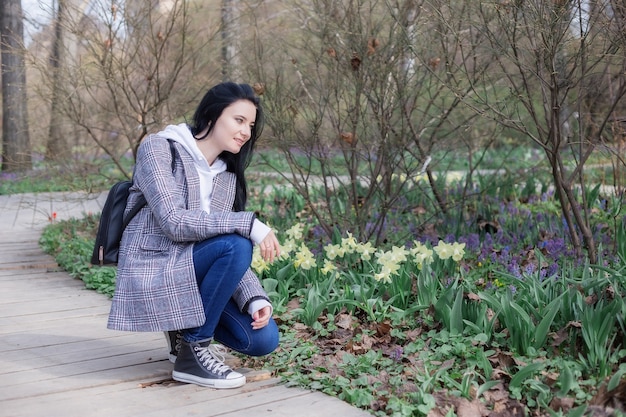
[230, 21]
[15, 138]
[57, 146]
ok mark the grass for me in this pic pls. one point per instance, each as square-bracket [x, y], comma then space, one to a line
[75, 175]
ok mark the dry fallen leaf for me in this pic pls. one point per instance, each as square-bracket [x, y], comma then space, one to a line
[344, 321]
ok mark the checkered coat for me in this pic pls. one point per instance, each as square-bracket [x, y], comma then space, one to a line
[156, 288]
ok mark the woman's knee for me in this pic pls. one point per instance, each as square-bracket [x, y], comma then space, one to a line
[265, 341]
[240, 245]
[233, 250]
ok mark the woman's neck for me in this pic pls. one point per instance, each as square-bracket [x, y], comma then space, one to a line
[209, 151]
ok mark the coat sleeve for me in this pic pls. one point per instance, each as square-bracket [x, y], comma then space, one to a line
[249, 289]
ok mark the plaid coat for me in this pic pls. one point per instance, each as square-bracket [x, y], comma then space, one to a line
[156, 288]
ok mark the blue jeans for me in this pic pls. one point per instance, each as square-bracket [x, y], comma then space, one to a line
[220, 263]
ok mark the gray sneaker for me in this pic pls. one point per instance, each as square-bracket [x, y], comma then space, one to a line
[173, 339]
[202, 363]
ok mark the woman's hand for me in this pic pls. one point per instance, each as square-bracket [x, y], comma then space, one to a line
[269, 247]
[261, 317]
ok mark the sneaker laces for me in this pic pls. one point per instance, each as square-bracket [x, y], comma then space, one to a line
[212, 358]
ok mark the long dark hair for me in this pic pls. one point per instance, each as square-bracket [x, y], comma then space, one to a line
[210, 109]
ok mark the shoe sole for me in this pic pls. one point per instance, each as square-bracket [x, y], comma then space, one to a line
[212, 383]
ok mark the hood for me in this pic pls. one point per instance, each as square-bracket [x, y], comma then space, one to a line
[206, 173]
[182, 134]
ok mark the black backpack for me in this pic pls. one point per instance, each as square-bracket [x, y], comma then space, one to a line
[112, 221]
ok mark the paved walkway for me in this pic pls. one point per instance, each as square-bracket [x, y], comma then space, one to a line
[58, 359]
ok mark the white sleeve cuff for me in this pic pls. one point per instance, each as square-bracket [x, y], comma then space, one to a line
[256, 305]
[259, 231]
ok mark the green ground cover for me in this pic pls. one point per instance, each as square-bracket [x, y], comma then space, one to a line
[508, 322]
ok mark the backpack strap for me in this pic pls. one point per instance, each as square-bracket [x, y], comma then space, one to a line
[141, 201]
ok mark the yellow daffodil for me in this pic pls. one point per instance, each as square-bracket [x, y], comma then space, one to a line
[333, 251]
[396, 254]
[307, 264]
[421, 253]
[443, 250]
[258, 263]
[328, 267]
[455, 250]
[421, 177]
[304, 258]
[295, 232]
[390, 263]
[366, 250]
[288, 246]
[349, 244]
[458, 250]
[402, 177]
[454, 176]
[383, 276]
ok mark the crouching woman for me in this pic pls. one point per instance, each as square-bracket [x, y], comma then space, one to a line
[184, 262]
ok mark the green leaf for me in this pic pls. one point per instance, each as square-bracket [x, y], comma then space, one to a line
[542, 330]
[456, 315]
[486, 387]
[566, 381]
[522, 314]
[578, 411]
[270, 284]
[615, 379]
[283, 272]
[491, 301]
[525, 373]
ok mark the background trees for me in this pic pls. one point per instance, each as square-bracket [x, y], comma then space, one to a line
[560, 83]
[367, 100]
[382, 87]
[135, 66]
[366, 93]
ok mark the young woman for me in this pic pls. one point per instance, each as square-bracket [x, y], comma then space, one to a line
[184, 262]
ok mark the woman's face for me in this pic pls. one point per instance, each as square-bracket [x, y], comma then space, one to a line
[234, 127]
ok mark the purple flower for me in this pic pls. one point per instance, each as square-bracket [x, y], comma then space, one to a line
[472, 242]
[514, 270]
[552, 270]
[529, 269]
[396, 353]
[8, 176]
